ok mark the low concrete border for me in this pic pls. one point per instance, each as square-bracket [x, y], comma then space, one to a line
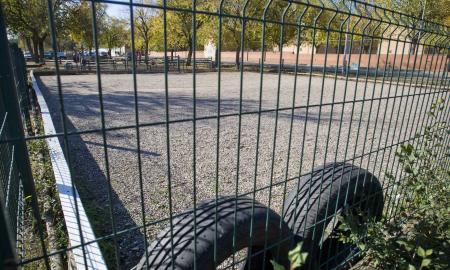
[68, 198]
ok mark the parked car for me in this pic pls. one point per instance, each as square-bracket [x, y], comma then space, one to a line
[28, 56]
[48, 55]
[62, 55]
[89, 53]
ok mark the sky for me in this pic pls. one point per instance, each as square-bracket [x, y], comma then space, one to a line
[120, 11]
[123, 11]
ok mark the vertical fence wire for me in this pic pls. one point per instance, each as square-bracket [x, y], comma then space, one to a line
[167, 113]
[138, 133]
[103, 128]
[219, 97]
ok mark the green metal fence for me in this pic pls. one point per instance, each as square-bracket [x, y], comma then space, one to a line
[324, 139]
[16, 180]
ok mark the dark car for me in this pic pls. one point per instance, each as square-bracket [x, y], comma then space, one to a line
[48, 55]
[28, 56]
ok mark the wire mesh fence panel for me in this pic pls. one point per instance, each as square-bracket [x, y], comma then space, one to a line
[236, 131]
[17, 186]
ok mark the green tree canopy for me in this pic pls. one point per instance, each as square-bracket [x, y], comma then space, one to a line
[433, 10]
[115, 33]
[80, 24]
[28, 19]
[180, 25]
[143, 24]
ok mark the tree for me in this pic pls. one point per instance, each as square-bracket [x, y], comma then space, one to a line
[327, 19]
[114, 34]
[80, 23]
[431, 10]
[142, 24]
[28, 19]
[232, 27]
[281, 12]
[276, 12]
[180, 25]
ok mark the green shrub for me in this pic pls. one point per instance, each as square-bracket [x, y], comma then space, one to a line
[419, 235]
[296, 257]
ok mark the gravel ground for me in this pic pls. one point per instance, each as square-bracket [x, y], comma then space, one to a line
[314, 140]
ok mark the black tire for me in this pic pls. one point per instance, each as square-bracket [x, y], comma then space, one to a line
[160, 255]
[326, 189]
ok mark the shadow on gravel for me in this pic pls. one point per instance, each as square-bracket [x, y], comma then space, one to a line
[93, 188]
[143, 152]
[152, 108]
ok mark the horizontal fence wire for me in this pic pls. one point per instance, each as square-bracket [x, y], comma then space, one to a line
[148, 141]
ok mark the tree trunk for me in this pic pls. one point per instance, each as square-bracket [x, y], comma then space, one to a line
[29, 46]
[35, 50]
[238, 50]
[109, 53]
[41, 50]
[189, 56]
[414, 46]
[146, 52]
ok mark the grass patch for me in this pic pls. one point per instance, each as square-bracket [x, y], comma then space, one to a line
[52, 218]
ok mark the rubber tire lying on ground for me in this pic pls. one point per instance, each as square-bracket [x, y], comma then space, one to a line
[321, 194]
[160, 253]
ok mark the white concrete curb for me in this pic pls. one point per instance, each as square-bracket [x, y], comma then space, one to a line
[68, 199]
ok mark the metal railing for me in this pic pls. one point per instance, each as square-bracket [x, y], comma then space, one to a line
[235, 136]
